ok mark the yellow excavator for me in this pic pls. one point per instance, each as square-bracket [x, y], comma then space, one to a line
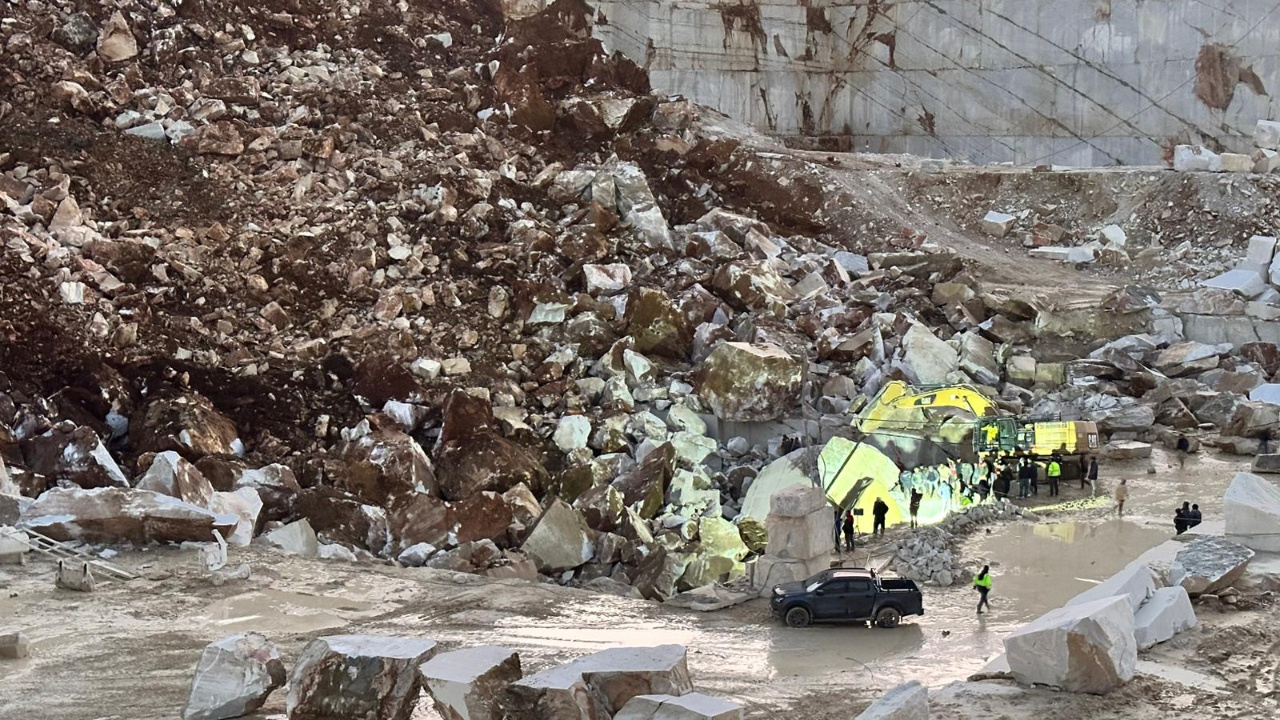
[946, 414]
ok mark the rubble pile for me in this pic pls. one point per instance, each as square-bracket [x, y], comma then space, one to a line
[372, 280]
[929, 553]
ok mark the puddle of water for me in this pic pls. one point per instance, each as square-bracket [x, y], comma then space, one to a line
[598, 638]
[283, 612]
[1039, 567]
[837, 648]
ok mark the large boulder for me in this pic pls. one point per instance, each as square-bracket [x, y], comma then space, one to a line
[693, 706]
[1135, 583]
[1086, 648]
[233, 678]
[188, 424]
[740, 381]
[1166, 614]
[657, 325]
[908, 701]
[296, 538]
[118, 515]
[644, 487]
[597, 686]
[340, 517]
[560, 540]
[171, 474]
[799, 523]
[751, 285]
[276, 485]
[469, 684]
[370, 677]
[1135, 417]
[1251, 513]
[383, 463]
[246, 506]
[486, 462]
[73, 454]
[1209, 564]
[927, 360]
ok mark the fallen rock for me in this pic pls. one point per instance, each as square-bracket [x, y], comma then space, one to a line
[998, 224]
[926, 359]
[115, 41]
[1251, 513]
[1166, 614]
[1208, 565]
[740, 381]
[371, 677]
[1267, 463]
[1088, 647]
[74, 454]
[384, 463]
[597, 686]
[693, 706]
[908, 701]
[469, 684]
[14, 646]
[1135, 583]
[171, 474]
[296, 538]
[188, 424]
[246, 506]
[118, 515]
[560, 540]
[233, 678]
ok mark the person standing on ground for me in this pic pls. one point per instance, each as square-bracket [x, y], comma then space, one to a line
[1054, 473]
[982, 583]
[1122, 494]
[1093, 476]
[879, 512]
[1183, 447]
[848, 530]
[984, 489]
[916, 497]
[1180, 518]
[1026, 475]
[837, 529]
[1194, 517]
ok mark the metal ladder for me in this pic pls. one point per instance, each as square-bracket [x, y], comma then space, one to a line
[61, 551]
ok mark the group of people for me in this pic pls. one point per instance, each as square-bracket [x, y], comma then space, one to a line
[965, 483]
[1186, 517]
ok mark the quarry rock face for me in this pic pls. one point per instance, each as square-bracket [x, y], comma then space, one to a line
[365, 676]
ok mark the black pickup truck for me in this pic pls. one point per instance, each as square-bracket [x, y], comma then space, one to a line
[845, 595]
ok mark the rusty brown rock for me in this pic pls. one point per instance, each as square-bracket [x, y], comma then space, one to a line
[486, 461]
[483, 516]
[171, 474]
[746, 382]
[657, 325]
[75, 455]
[384, 463]
[188, 424]
[644, 488]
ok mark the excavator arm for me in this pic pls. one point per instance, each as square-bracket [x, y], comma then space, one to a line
[901, 406]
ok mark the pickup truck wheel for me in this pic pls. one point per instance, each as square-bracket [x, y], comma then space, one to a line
[888, 617]
[798, 617]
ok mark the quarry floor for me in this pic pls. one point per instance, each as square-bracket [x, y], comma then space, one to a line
[127, 650]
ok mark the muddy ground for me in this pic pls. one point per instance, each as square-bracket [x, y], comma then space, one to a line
[126, 651]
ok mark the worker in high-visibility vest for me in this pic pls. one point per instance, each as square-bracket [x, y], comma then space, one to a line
[1054, 473]
[982, 583]
[993, 434]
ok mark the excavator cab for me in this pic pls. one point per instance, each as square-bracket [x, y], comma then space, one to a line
[995, 434]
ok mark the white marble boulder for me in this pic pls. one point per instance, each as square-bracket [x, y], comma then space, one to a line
[1085, 648]
[233, 678]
